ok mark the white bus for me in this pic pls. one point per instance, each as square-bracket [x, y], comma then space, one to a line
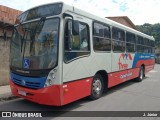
[60, 54]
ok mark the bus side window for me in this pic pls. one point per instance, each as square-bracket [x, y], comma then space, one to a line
[130, 42]
[76, 45]
[118, 40]
[101, 37]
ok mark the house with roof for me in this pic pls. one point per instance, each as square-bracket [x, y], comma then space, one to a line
[123, 20]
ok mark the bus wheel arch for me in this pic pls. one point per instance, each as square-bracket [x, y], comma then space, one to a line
[104, 75]
[143, 69]
[100, 82]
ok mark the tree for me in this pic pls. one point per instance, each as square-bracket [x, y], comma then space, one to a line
[153, 30]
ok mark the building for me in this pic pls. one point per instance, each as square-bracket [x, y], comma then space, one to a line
[7, 19]
[123, 20]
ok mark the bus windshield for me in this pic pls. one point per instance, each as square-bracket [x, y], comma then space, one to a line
[34, 44]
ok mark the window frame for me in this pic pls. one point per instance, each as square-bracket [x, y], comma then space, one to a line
[121, 30]
[118, 40]
[104, 38]
[89, 43]
[146, 44]
[129, 33]
[132, 42]
[134, 47]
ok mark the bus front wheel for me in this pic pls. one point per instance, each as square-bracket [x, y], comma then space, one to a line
[97, 87]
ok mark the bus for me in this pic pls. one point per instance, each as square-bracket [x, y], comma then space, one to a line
[157, 58]
[60, 54]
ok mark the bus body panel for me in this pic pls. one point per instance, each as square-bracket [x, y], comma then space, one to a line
[122, 76]
[76, 90]
[121, 61]
[86, 66]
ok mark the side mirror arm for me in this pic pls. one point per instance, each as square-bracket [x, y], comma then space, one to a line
[67, 15]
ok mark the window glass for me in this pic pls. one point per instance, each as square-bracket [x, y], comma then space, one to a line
[98, 29]
[101, 44]
[146, 42]
[118, 34]
[84, 37]
[152, 43]
[152, 50]
[118, 46]
[140, 49]
[130, 37]
[146, 49]
[130, 47]
[76, 45]
[37, 42]
[107, 32]
[42, 11]
[140, 40]
[101, 37]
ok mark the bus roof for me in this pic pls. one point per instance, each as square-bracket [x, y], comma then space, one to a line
[78, 11]
[106, 21]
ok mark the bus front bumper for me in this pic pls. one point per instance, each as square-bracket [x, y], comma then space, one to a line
[47, 96]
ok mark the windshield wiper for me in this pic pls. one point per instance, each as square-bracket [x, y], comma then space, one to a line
[39, 24]
[15, 31]
[22, 40]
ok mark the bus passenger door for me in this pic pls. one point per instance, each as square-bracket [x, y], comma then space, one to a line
[77, 75]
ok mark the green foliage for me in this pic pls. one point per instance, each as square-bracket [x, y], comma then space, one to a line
[153, 30]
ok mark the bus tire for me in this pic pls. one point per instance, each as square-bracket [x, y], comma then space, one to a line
[97, 87]
[141, 75]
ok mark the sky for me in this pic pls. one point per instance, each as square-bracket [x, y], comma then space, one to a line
[139, 11]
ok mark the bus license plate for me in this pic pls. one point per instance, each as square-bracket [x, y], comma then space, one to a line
[22, 93]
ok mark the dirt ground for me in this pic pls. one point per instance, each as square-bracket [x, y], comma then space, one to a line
[4, 62]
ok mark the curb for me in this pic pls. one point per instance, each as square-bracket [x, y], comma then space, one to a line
[7, 96]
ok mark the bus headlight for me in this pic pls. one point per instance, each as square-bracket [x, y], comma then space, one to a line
[51, 78]
[48, 83]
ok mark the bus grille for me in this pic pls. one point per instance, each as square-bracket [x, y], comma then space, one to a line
[27, 84]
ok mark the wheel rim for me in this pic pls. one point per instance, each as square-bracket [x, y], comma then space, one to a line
[97, 86]
[141, 74]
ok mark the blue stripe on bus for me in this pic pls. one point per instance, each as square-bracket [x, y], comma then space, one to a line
[140, 56]
[29, 82]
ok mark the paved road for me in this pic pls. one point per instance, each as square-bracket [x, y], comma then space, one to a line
[129, 96]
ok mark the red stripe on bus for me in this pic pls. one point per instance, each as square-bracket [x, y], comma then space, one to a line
[149, 68]
[76, 90]
[122, 76]
[145, 62]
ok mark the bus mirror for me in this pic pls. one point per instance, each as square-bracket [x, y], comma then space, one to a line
[70, 44]
[75, 27]
[67, 15]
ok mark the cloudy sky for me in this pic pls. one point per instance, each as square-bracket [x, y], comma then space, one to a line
[139, 11]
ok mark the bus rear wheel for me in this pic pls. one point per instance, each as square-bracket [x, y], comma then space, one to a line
[141, 74]
[97, 87]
